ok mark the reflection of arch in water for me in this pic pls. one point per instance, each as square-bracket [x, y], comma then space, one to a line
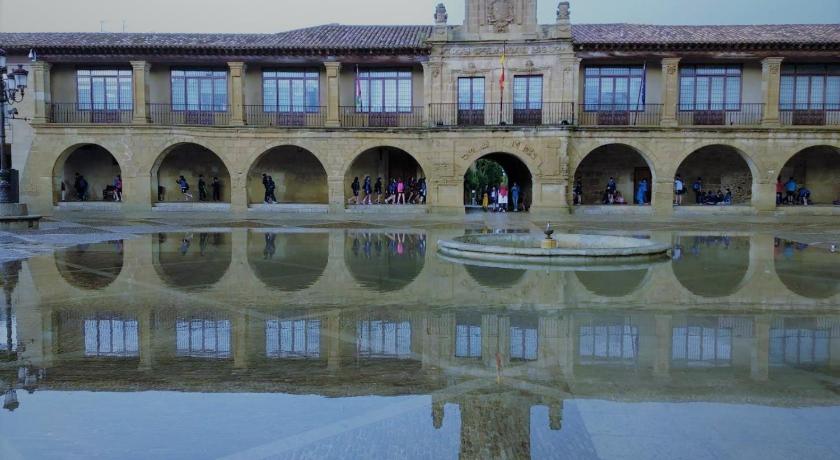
[712, 266]
[495, 278]
[90, 266]
[809, 272]
[613, 283]
[192, 260]
[385, 262]
[288, 262]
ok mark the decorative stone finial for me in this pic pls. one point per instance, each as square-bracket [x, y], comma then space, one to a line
[440, 14]
[563, 11]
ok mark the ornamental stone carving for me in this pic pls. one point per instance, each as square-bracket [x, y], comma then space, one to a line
[563, 11]
[501, 14]
[440, 14]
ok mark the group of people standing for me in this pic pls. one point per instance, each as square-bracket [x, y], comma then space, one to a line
[81, 189]
[701, 196]
[501, 199]
[791, 193]
[215, 185]
[611, 195]
[398, 191]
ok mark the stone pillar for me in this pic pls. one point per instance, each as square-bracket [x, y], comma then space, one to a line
[336, 193]
[237, 93]
[670, 90]
[40, 91]
[331, 329]
[145, 322]
[333, 78]
[771, 70]
[664, 338]
[427, 93]
[140, 81]
[240, 340]
[764, 195]
[760, 363]
[137, 191]
[663, 198]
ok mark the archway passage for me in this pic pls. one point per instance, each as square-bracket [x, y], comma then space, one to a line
[90, 266]
[191, 161]
[495, 170]
[613, 283]
[388, 163]
[385, 262]
[818, 170]
[621, 162]
[192, 261]
[95, 165]
[288, 262]
[810, 272]
[716, 168]
[298, 176]
[711, 266]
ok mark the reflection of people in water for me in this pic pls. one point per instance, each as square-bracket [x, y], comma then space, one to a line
[202, 243]
[396, 244]
[789, 248]
[185, 244]
[118, 246]
[270, 248]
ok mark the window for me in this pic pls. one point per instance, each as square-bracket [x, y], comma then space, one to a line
[609, 342]
[527, 92]
[293, 338]
[200, 338]
[614, 88]
[199, 90]
[523, 343]
[383, 339]
[111, 337]
[710, 87]
[471, 93]
[467, 341]
[291, 91]
[383, 91]
[104, 89]
[799, 347]
[810, 87]
[695, 345]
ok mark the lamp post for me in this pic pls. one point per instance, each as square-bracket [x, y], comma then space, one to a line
[12, 88]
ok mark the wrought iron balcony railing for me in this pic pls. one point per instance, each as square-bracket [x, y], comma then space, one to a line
[195, 115]
[89, 113]
[285, 116]
[408, 117]
[502, 114]
[720, 114]
[620, 114]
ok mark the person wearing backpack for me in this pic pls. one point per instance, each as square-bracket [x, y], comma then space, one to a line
[697, 187]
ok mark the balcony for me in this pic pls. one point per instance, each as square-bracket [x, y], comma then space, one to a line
[74, 113]
[720, 115]
[810, 115]
[412, 117]
[190, 115]
[620, 115]
[285, 117]
[502, 114]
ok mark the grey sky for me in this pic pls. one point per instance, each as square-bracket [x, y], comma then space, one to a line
[279, 15]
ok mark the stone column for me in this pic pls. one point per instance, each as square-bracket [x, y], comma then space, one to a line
[771, 70]
[670, 90]
[428, 97]
[237, 93]
[145, 322]
[663, 198]
[331, 330]
[137, 191]
[760, 363]
[664, 337]
[764, 195]
[336, 194]
[240, 340]
[40, 91]
[333, 78]
[140, 81]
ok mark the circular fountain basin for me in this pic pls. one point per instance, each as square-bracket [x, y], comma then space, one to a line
[571, 249]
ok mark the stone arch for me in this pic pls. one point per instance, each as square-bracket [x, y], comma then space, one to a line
[712, 266]
[626, 163]
[189, 159]
[816, 167]
[288, 262]
[613, 283]
[94, 162]
[721, 166]
[495, 278]
[90, 266]
[299, 175]
[192, 261]
[516, 170]
[809, 272]
[383, 161]
[384, 262]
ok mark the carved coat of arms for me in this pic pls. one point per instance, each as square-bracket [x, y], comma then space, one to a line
[500, 14]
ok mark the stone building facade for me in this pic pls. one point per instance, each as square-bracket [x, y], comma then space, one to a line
[739, 106]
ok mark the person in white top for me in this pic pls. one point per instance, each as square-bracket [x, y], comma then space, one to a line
[679, 190]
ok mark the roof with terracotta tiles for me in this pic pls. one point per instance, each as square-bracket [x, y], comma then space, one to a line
[335, 37]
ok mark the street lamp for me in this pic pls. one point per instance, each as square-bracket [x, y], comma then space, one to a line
[12, 89]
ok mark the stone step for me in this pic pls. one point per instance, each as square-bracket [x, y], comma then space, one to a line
[627, 209]
[99, 206]
[289, 208]
[191, 207]
[387, 209]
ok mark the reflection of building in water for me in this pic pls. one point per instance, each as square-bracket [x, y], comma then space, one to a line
[383, 339]
[802, 342]
[712, 266]
[288, 262]
[91, 266]
[808, 271]
[190, 262]
[609, 340]
[111, 337]
[203, 338]
[298, 338]
[385, 262]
